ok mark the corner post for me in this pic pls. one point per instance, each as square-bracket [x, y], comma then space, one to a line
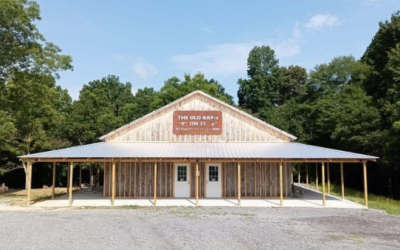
[323, 183]
[239, 183]
[365, 183]
[71, 174]
[280, 182]
[342, 179]
[29, 182]
[155, 184]
[197, 183]
[53, 187]
[113, 183]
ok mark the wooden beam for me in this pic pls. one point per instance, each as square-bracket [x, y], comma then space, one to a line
[80, 176]
[298, 176]
[323, 183]
[316, 176]
[71, 174]
[155, 184]
[197, 184]
[281, 183]
[67, 179]
[365, 183]
[306, 175]
[113, 183]
[238, 183]
[329, 178]
[29, 182]
[53, 187]
[342, 179]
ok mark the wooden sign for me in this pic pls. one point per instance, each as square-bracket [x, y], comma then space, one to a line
[197, 122]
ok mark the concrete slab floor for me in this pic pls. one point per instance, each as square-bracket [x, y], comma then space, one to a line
[311, 199]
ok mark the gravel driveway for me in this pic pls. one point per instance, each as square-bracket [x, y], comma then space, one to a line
[199, 228]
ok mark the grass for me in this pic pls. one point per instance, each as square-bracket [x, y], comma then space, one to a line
[374, 201]
[16, 197]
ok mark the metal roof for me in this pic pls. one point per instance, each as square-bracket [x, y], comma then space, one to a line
[230, 150]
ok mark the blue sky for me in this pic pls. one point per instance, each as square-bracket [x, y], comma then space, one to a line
[147, 42]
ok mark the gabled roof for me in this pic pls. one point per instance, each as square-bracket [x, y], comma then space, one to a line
[230, 150]
[197, 92]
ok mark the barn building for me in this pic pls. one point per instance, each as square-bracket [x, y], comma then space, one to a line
[197, 147]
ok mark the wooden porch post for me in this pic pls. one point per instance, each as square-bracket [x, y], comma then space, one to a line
[342, 179]
[197, 183]
[71, 174]
[323, 183]
[67, 179]
[365, 183]
[239, 189]
[298, 176]
[54, 181]
[329, 178]
[29, 182]
[306, 175]
[155, 184]
[316, 175]
[113, 183]
[280, 182]
[80, 176]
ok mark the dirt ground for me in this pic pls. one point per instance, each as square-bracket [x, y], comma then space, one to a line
[198, 228]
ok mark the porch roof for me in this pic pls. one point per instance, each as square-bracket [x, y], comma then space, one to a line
[216, 150]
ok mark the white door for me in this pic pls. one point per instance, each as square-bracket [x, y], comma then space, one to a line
[213, 181]
[182, 181]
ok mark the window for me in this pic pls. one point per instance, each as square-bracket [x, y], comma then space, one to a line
[182, 173]
[213, 173]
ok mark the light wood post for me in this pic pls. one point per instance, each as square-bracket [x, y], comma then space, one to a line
[53, 188]
[298, 176]
[67, 179]
[155, 184]
[329, 178]
[323, 183]
[280, 183]
[316, 175]
[29, 182]
[197, 183]
[80, 176]
[239, 189]
[365, 183]
[113, 183]
[71, 174]
[342, 179]
[307, 175]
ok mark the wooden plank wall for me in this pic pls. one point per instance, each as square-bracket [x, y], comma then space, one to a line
[258, 180]
[236, 126]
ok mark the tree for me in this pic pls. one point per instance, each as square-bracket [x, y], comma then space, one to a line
[291, 85]
[22, 46]
[260, 90]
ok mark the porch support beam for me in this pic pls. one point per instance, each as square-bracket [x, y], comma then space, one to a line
[53, 187]
[197, 184]
[298, 176]
[80, 176]
[342, 179]
[71, 174]
[329, 178]
[365, 183]
[113, 183]
[316, 176]
[155, 184]
[281, 183]
[239, 189]
[323, 183]
[306, 175]
[28, 182]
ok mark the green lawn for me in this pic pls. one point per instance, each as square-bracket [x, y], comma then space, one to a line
[374, 201]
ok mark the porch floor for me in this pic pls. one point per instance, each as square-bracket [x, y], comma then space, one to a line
[311, 199]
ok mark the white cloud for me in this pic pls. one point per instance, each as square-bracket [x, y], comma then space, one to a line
[289, 47]
[216, 60]
[144, 69]
[321, 21]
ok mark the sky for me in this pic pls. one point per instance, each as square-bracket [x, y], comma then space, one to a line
[147, 42]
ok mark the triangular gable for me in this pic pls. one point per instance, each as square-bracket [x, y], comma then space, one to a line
[157, 125]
